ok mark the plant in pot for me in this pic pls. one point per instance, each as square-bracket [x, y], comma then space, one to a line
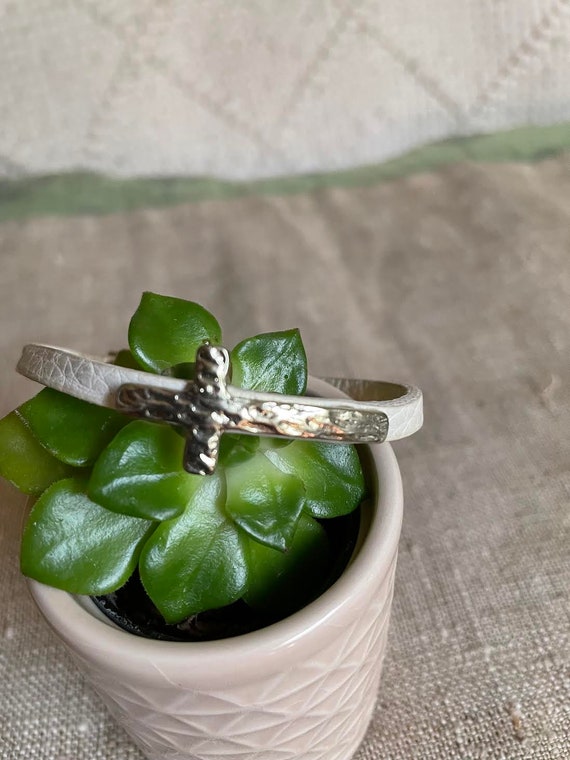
[227, 594]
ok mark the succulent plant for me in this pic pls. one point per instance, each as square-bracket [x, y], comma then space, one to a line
[111, 494]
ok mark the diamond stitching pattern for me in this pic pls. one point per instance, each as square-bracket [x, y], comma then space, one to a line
[254, 89]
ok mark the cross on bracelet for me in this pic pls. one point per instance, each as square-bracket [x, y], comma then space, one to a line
[209, 407]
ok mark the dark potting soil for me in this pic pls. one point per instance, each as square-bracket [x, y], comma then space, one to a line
[131, 609]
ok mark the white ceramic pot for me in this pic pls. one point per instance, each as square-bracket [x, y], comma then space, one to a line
[303, 688]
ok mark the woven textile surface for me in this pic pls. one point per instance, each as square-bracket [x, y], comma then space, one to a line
[257, 89]
[457, 281]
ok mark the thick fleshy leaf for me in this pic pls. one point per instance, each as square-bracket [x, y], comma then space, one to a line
[264, 501]
[282, 582]
[331, 473]
[184, 371]
[124, 358]
[272, 362]
[235, 448]
[140, 473]
[23, 461]
[196, 561]
[166, 331]
[74, 431]
[74, 544]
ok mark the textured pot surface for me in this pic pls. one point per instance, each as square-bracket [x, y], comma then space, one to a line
[303, 688]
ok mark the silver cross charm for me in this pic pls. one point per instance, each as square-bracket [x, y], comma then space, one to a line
[209, 407]
[199, 409]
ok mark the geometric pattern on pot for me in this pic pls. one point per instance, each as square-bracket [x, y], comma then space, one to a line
[319, 709]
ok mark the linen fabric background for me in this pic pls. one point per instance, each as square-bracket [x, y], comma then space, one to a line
[457, 281]
[255, 88]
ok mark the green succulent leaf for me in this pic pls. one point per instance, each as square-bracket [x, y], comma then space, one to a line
[166, 331]
[272, 362]
[24, 461]
[74, 431]
[196, 561]
[124, 358]
[282, 582]
[331, 473]
[184, 371]
[140, 473]
[264, 501]
[236, 448]
[74, 544]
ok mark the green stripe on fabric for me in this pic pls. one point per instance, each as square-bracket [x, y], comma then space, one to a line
[84, 193]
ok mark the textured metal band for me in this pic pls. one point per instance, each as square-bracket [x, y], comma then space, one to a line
[208, 406]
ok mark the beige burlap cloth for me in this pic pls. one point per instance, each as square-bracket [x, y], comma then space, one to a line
[458, 282]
